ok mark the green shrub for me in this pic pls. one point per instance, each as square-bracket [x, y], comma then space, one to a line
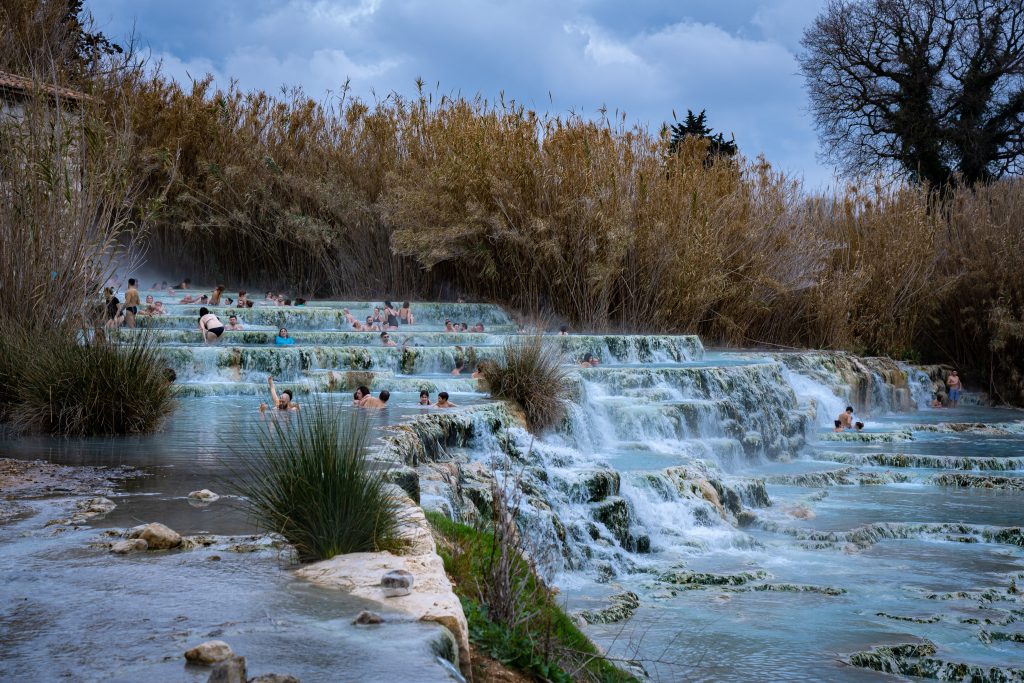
[530, 372]
[63, 385]
[309, 480]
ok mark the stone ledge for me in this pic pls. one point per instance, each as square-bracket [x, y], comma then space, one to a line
[432, 597]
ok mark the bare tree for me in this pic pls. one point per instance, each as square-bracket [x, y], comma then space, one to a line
[933, 89]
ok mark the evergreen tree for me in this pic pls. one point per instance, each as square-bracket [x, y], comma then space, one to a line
[697, 126]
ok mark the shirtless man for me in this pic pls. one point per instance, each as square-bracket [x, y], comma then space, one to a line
[443, 402]
[459, 364]
[386, 340]
[375, 403]
[479, 327]
[589, 361]
[845, 419]
[233, 324]
[131, 302]
[953, 382]
[281, 402]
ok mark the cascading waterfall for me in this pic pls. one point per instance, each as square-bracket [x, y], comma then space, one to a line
[686, 478]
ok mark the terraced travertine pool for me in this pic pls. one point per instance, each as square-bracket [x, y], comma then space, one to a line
[758, 544]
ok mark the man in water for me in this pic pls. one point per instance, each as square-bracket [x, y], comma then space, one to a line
[589, 361]
[234, 325]
[845, 419]
[376, 403]
[479, 327]
[443, 402]
[280, 402]
[459, 364]
[386, 340]
[131, 302]
[953, 382]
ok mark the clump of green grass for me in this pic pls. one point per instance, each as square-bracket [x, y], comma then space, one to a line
[544, 642]
[310, 481]
[530, 372]
[64, 385]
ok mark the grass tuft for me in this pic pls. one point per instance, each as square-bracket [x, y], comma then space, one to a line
[62, 385]
[530, 372]
[310, 481]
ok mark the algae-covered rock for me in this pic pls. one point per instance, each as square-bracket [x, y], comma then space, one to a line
[979, 481]
[916, 659]
[703, 579]
[621, 607]
[601, 484]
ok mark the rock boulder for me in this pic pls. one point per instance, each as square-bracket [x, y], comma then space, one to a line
[158, 536]
[211, 652]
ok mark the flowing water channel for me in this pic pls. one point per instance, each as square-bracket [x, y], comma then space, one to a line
[755, 543]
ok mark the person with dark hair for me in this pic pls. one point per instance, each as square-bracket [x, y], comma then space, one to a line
[952, 382]
[360, 393]
[390, 316]
[299, 301]
[424, 397]
[589, 361]
[204, 299]
[210, 325]
[233, 323]
[479, 372]
[376, 403]
[448, 327]
[563, 330]
[443, 402]
[859, 426]
[280, 402]
[282, 338]
[386, 340]
[845, 419]
[184, 284]
[838, 426]
[459, 364]
[479, 327]
[131, 302]
[405, 314]
[113, 307]
[170, 375]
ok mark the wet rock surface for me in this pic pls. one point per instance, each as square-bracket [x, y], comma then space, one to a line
[209, 652]
[156, 535]
[620, 608]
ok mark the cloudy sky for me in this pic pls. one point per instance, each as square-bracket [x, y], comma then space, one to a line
[734, 58]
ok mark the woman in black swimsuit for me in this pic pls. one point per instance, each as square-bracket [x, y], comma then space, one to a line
[210, 325]
[392, 315]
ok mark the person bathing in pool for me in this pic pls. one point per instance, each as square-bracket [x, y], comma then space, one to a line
[282, 401]
[424, 397]
[360, 393]
[210, 325]
[375, 402]
[443, 402]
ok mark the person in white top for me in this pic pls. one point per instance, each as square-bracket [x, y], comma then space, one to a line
[210, 325]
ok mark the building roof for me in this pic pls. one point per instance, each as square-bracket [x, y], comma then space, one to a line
[20, 85]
